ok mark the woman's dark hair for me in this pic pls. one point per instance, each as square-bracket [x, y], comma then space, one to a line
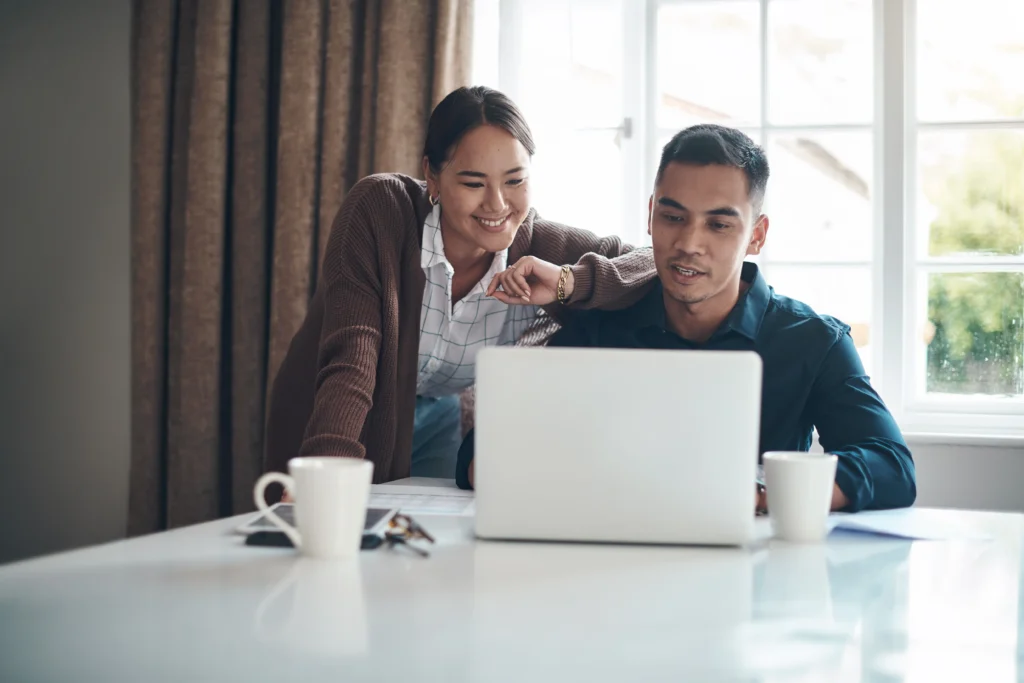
[463, 110]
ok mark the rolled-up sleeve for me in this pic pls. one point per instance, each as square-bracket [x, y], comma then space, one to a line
[875, 468]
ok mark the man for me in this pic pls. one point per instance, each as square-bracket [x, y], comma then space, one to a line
[704, 218]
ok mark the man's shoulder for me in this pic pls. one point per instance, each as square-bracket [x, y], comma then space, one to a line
[786, 315]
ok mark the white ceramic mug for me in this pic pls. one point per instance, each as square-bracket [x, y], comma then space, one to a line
[799, 487]
[330, 497]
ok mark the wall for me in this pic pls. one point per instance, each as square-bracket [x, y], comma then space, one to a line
[64, 273]
[970, 476]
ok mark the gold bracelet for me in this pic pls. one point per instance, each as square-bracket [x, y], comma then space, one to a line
[561, 284]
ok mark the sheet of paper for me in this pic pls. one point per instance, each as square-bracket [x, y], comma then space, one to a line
[423, 500]
[920, 524]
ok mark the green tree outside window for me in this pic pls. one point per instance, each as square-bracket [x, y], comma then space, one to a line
[977, 319]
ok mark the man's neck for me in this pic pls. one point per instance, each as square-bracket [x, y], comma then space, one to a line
[696, 322]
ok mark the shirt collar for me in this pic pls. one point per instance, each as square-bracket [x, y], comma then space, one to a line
[432, 249]
[745, 317]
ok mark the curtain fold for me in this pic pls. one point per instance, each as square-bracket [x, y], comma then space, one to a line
[251, 119]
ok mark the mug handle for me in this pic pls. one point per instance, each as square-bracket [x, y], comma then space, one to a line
[289, 485]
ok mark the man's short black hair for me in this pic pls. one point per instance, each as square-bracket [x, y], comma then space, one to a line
[707, 144]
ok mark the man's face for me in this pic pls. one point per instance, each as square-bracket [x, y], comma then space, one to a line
[702, 224]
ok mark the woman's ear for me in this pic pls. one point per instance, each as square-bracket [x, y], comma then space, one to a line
[429, 176]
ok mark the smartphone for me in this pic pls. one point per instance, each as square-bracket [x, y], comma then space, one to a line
[376, 519]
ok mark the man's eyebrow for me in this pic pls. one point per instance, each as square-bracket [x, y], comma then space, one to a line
[724, 211]
[671, 203]
[719, 211]
[478, 174]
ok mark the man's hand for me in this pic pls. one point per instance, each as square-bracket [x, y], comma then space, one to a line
[530, 281]
[471, 463]
[839, 499]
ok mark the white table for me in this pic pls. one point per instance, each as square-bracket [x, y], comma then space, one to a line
[195, 604]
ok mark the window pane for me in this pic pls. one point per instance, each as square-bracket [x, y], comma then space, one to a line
[566, 76]
[974, 333]
[820, 61]
[819, 198]
[709, 63]
[971, 192]
[970, 58]
[842, 292]
[589, 200]
[486, 35]
[569, 72]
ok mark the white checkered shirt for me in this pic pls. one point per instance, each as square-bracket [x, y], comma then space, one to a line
[451, 337]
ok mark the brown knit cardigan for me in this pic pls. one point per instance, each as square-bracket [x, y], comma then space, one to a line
[347, 386]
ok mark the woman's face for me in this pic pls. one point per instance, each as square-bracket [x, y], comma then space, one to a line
[483, 189]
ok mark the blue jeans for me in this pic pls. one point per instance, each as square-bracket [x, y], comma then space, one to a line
[436, 436]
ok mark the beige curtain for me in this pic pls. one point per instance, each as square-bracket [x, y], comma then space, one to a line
[250, 121]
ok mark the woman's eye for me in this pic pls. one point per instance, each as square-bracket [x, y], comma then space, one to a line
[516, 181]
[474, 186]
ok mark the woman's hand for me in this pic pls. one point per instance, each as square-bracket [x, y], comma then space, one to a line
[530, 281]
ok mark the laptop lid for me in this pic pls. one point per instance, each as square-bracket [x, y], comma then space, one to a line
[645, 446]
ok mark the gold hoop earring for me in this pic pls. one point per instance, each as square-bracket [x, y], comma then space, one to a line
[434, 199]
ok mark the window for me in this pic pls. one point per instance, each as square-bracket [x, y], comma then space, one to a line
[895, 132]
[564, 62]
[966, 203]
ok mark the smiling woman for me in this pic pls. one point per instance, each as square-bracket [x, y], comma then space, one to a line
[415, 281]
[484, 203]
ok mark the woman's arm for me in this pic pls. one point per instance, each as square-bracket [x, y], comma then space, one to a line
[351, 334]
[605, 273]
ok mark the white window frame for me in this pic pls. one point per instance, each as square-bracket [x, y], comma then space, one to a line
[938, 412]
[896, 266]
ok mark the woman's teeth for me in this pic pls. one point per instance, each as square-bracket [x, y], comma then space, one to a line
[492, 224]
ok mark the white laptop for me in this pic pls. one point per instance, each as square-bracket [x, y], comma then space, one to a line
[626, 446]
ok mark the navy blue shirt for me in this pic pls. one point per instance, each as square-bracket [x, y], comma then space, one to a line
[813, 379]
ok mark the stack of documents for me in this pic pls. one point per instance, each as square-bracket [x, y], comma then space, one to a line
[423, 500]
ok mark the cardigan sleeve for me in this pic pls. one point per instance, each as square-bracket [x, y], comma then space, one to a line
[608, 274]
[350, 338]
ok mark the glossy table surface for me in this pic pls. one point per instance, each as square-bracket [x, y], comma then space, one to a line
[195, 604]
